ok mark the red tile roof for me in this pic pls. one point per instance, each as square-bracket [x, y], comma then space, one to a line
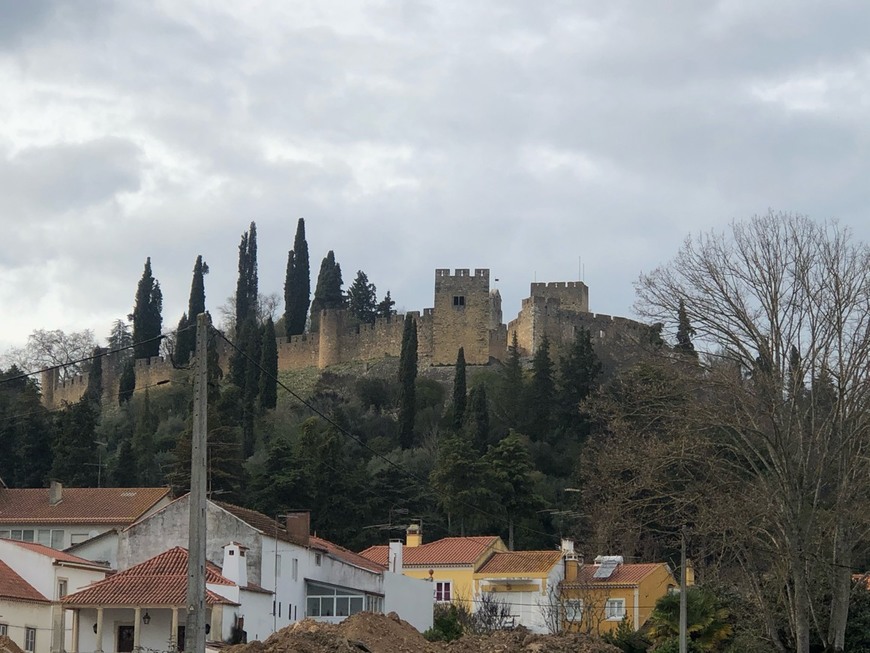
[60, 556]
[84, 505]
[520, 562]
[159, 581]
[448, 551]
[269, 526]
[14, 587]
[345, 555]
[625, 574]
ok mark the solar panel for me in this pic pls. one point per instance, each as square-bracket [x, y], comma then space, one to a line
[605, 569]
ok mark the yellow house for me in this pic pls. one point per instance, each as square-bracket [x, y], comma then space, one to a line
[596, 598]
[449, 563]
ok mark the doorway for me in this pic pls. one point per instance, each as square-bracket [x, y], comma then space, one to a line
[125, 639]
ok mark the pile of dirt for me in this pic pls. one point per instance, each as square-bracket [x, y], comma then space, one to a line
[521, 640]
[8, 646]
[378, 633]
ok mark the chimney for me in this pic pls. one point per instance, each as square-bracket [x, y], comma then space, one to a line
[55, 493]
[235, 567]
[299, 526]
[567, 547]
[395, 562]
[414, 535]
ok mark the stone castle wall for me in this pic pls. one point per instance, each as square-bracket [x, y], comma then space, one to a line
[466, 314]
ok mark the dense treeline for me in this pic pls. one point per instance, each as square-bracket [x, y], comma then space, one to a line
[751, 431]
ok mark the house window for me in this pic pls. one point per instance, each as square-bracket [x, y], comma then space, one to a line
[50, 537]
[323, 601]
[614, 609]
[61, 588]
[26, 535]
[295, 568]
[5, 534]
[442, 590]
[4, 629]
[374, 603]
[573, 611]
[78, 538]
[278, 565]
[318, 559]
[459, 301]
[179, 641]
[30, 639]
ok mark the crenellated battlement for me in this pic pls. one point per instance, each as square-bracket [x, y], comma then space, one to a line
[465, 314]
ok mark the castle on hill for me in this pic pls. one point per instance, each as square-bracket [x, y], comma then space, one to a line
[466, 313]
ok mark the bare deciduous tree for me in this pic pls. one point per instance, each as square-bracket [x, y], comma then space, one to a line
[50, 348]
[781, 307]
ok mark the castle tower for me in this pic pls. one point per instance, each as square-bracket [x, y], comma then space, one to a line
[329, 332]
[461, 316]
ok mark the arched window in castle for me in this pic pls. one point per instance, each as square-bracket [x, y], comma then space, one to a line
[458, 301]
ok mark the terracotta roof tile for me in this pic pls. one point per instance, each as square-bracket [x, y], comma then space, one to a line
[346, 555]
[261, 522]
[54, 553]
[444, 552]
[86, 505]
[520, 562]
[14, 587]
[161, 580]
[625, 574]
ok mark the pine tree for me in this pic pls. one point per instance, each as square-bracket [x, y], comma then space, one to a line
[327, 293]
[362, 299]
[385, 306]
[459, 390]
[511, 471]
[407, 383]
[459, 478]
[185, 337]
[508, 403]
[26, 432]
[75, 461]
[685, 331]
[541, 393]
[144, 450]
[297, 284]
[147, 315]
[269, 363]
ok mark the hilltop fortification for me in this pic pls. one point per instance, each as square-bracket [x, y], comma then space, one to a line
[466, 313]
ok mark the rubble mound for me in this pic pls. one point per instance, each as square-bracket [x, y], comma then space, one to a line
[520, 640]
[8, 646]
[367, 632]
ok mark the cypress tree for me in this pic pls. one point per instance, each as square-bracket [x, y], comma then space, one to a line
[477, 419]
[269, 363]
[459, 390]
[75, 462]
[579, 370]
[247, 336]
[127, 382]
[297, 284]
[147, 315]
[185, 337]
[685, 331]
[407, 383]
[327, 293]
[362, 299]
[94, 390]
[511, 387]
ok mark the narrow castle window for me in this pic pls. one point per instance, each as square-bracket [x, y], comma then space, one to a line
[459, 300]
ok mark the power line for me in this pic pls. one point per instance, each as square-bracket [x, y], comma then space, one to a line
[423, 483]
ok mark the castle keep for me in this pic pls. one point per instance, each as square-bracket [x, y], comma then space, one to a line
[466, 313]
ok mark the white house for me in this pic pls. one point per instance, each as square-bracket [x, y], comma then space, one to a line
[306, 575]
[62, 517]
[145, 606]
[33, 580]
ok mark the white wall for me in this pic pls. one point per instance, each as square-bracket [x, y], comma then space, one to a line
[103, 549]
[411, 598]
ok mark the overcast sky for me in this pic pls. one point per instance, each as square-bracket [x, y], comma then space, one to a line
[411, 135]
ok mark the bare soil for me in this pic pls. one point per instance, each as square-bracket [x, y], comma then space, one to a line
[8, 646]
[378, 633]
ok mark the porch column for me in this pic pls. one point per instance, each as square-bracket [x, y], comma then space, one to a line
[137, 627]
[74, 645]
[58, 627]
[173, 633]
[99, 648]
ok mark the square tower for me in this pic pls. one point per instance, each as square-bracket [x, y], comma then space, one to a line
[461, 316]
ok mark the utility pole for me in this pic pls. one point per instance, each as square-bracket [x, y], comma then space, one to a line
[683, 615]
[194, 633]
